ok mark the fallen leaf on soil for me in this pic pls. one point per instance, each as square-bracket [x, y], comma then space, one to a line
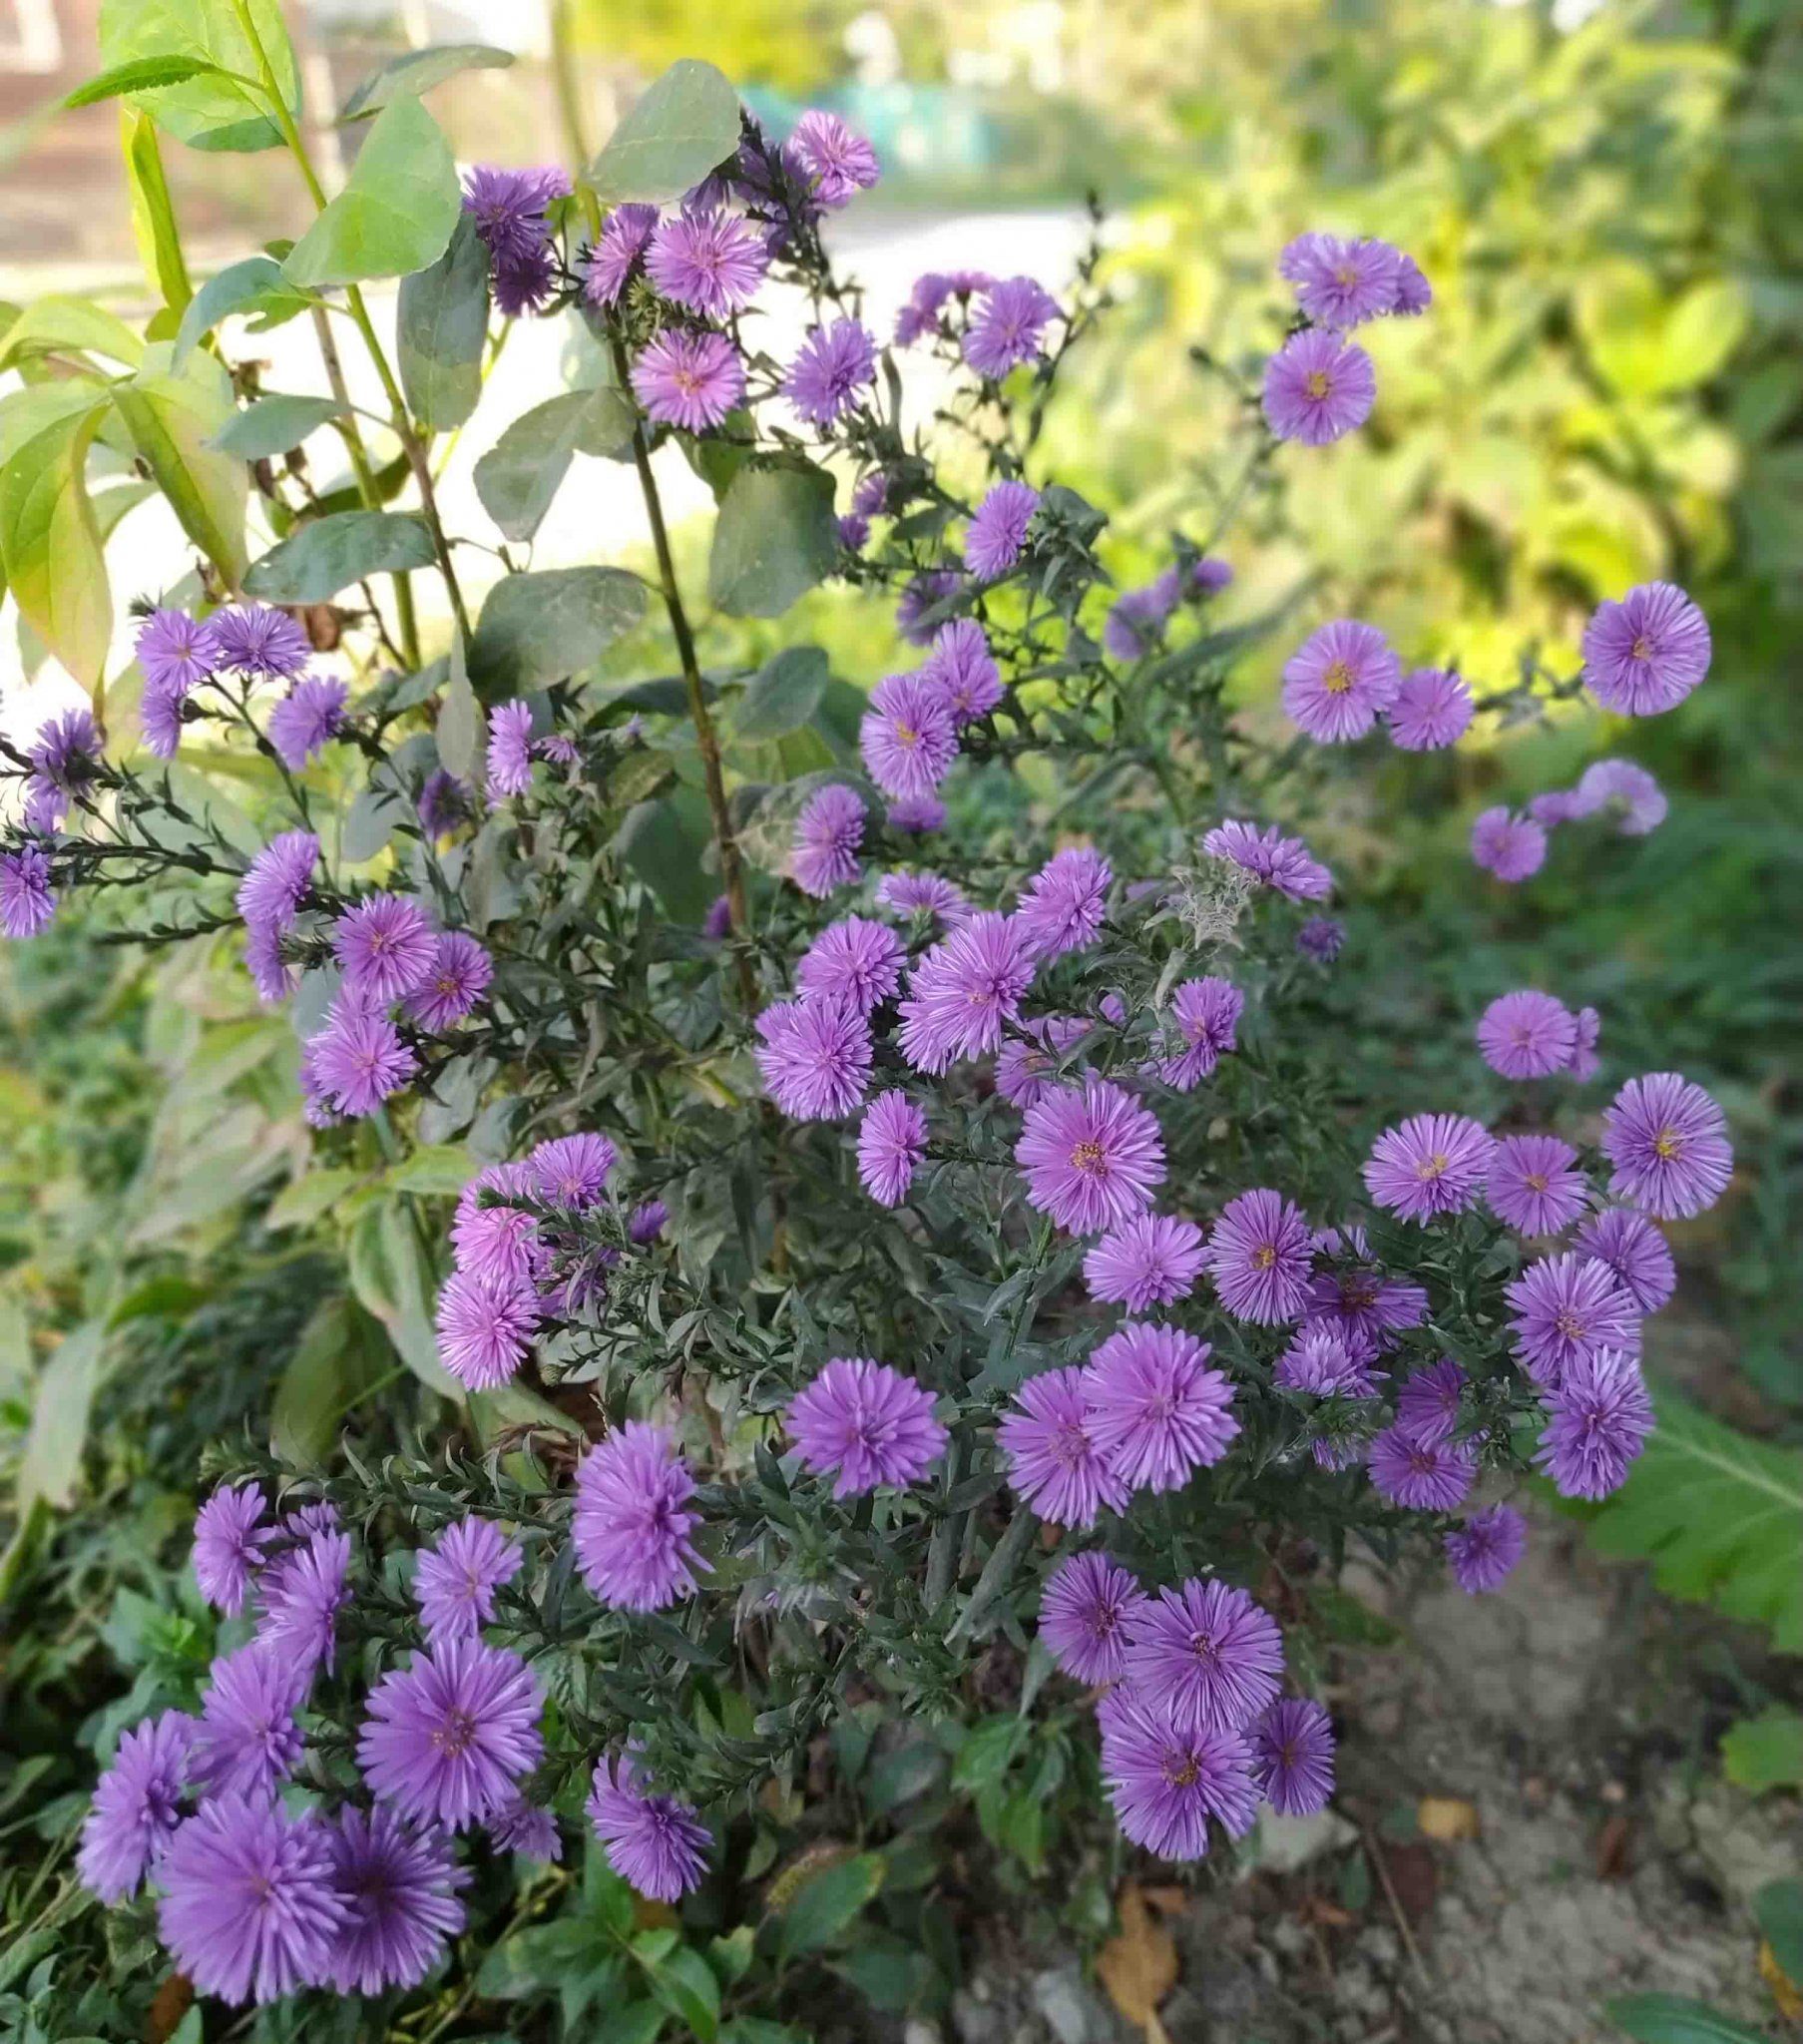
[1784, 1990]
[1411, 1874]
[1611, 1847]
[1139, 1964]
[1319, 1910]
[1446, 1818]
[1168, 1901]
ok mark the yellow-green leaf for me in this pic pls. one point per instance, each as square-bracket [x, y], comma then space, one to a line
[49, 538]
[396, 212]
[172, 419]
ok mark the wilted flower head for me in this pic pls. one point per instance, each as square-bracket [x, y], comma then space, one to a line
[1271, 858]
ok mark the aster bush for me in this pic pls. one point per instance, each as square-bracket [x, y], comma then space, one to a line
[855, 1172]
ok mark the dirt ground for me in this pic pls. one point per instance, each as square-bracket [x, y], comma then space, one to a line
[1570, 1723]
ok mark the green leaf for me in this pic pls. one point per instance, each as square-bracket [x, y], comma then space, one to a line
[340, 1353]
[273, 426]
[329, 553]
[759, 2030]
[889, 1974]
[828, 1903]
[59, 1420]
[388, 1273]
[639, 2022]
[172, 418]
[538, 627]
[441, 323]
[459, 728]
[311, 1197]
[518, 476]
[208, 109]
[774, 538]
[153, 223]
[396, 211]
[685, 1983]
[139, 75]
[254, 284]
[68, 326]
[1721, 1517]
[987, 1752]
[370, 822]
[443, 1169]
[1778, 1907]
[674, 133]
[49, 539]
[1674, 2019]
[662, 842]
[782, 696]
[419, 71]
[1766, 1751]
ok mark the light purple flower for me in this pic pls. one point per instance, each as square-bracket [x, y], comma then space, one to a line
[1414, 295]
[399, 1889]
[1483, 1551]
[1636, 1251]
[497, 1239]
[1082, 1610]
[625, 235]
[1668, 1144]
[260, 641]
[1535, 1184]
[997, 529]
[1156, 1410]
[833, 365]
[447, 1738]
[485, 1326]
[1027, 1069]
[1165, 1782]
[1527, 1035]
[1204, 1656]
[229, 1537]
[456, 981]
[136, 1804]
[815, 1057]
[1007, 326]
[965, 991]
[1342, 284]
[1150, 1259]
[1624, 789]
[1318, 389]
[306, 719]
[1427, 1405]
[385, 946]
[1565, 1308]
[712, 263]
[1210, 575]
[1271, 858]
[1599, 1417]
[177, 653]
[828, 832]
[271, 892]
[508, 207]
[359, 1059]
[1646, 653]
[1292, 1757]
[1433, 709]
[302, 1595]
[454, 1583]
[865, 1423]
[908, 737]
[572, 1172]
[1135, 623]
[963, 669]
[831, 160]
[915, 815]
[509, 750]
[1054, 1459]
[1062, 908]
[520, 1827]
[1431, 1164]
[1208, 1013]
[690, 380]
[632, 1525]
[919, 613]
[1512, 847]
[1323, 1362]
[27, 899]
[892, 1141]
[647, 1221]
[656, 1845]
[248, 1738]
[1422, 1477]
[1321, 939]
[922, 894]
[854, 960]
[1339, 680]
[1091, 1156]
[1261, 1256]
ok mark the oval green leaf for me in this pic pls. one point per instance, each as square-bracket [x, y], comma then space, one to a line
[50, 540]
[441, 323]
[210, 109]
[329, 553]
[518, 476]
[673, 133]
[396, 212]
[419, 71]
[537, 628]
[273, 426]
[172, 418]
[774, 538]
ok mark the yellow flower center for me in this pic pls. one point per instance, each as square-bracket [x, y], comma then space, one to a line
[1264, 1257]
[1432, 1167]
[1181, 1772]
[1669, 1145]
[1338, 679]
[1315, 383]
[1536, 1182]
[1088, 1156]
[1642, 647]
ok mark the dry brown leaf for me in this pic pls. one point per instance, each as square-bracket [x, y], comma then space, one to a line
[1447, 1819]
[1168, 1901]
[1784, 1990]
[1139, 1964]
[1612, 1846]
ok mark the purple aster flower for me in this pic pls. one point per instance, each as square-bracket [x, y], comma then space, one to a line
[892, 1141]
[177, 653]
[1323, 1362]
[229, 1538]
[1156, 1409]
[1668, 1142]
[1091, 1156]
[448, 1737]
[136, 1804]
[1134, 624]
[854, 960]
[456, 981]
[833, 365]
[454, 1583]
[271, 892]
[523, 283]
[493, 1238]
[1321, 939]
[965, 991]
[1527, 1035]
[509, 750]
[1647, 652]
[1292, 1757]
[1627, 790]
[1483, 1551]
[520, 1827]
[444, 804]
[485, 1326]
[508, 207]
[690, 380]
[1636, 1251]
[1204, 1656]
[302, 1595]
[1165, 1782]
[1318, 387]
[260, 641]
[625, 235]
[1007, 326]
[814, 1056]
[1535, 1184]
[831, 158]
[248, 1738]
[1208, 1013]
[1054, 1458]
[867, 1422]
[1552, 808]
[1210, 575]
[918, 614]
[62, 754]
[828, 833]
[1062, 908]
[1427, 1405]
[1366, 1305]
[1272, 859]
[658, 1845]
[1027, 1069]
[306, 719]
[1082, 1610]
[712, 263]
[359, 1059]
[160, 718]
[1565, 1308]
[1339, 680]
[915, 815]
[399, 1889]
[1261, 1257]
[1601, 1417]
[1511, 847]
[631, 1524]
[1433, 709]
[1431, 1164]
[27, 899]
[854, 531]
[1150, 1260]
[647, 1223]
[1414, 295]
[920, 315]
[572, 1172]
[963, 669]
[870, 494]
[1422, 1477]
[1342, 284]
[385, 946]
[997, 529]
[922, 894]
[718, 922]
[250, 1911]
[908, 737]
